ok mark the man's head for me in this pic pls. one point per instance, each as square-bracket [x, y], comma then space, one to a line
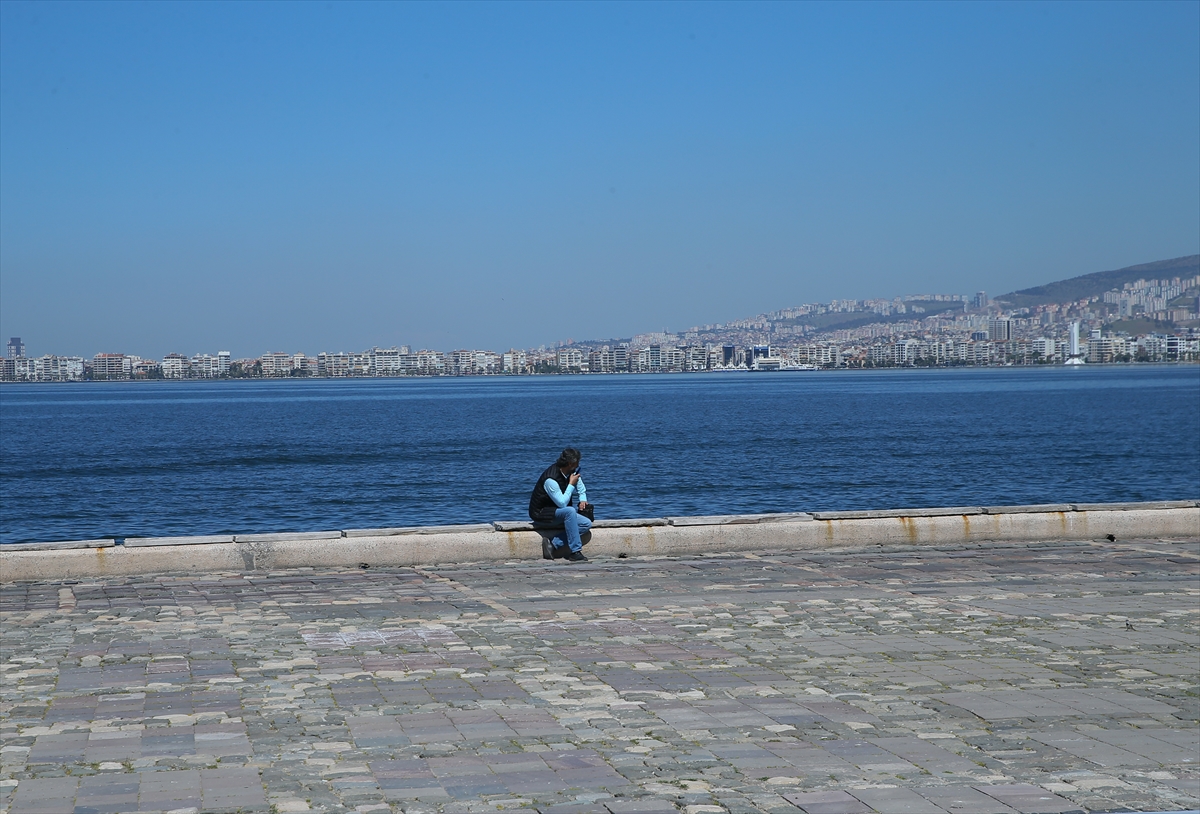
[568, 460]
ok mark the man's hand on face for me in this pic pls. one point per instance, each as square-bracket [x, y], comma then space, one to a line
[574, 479]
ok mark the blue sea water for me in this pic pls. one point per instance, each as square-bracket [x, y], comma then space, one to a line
[175, 458]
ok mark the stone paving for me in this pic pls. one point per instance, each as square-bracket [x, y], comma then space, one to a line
[1030, 678]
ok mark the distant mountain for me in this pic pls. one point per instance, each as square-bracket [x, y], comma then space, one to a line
[1093, 285]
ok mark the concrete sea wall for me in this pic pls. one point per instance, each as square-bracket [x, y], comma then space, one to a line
[500, 541]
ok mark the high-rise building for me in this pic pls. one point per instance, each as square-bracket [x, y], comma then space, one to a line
[621, 357]
[999, 329]
[1075, 357]
[16, 348]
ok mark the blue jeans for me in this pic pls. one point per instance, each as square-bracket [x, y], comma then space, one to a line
[574, 524]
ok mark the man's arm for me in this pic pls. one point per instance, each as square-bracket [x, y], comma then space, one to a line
[581, 490]
[560, 498]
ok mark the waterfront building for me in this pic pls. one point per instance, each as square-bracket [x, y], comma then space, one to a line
[514, 361]
[979, 353]
[110, 367]
[487, 362]
[206, 366]
[571, 359]
[333, 364]
[276, 364]
[360, 364]
[1105, 348]
[460, 362]
[716, 358]
[175, 366]
[386, 362]
[642, 360]
[602, 360]
[654, 358]
[16, 348]
[146, 369]
[672, 359]
[621, 357]
[1047, 348]
[52, 368]
[48, 368]
[431, 362]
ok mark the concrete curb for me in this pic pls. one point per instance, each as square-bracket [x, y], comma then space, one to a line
[670, 536]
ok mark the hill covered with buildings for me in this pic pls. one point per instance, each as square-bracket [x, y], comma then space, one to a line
[1097, 283]
[1149, 312]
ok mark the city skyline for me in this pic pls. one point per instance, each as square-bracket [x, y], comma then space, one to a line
[1142, 319]
[255, 175]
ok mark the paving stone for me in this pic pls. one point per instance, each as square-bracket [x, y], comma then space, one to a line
[641, 807]
[897, 801]
[963, 800]
[902, 679]
[1029, 799]
[828, 802]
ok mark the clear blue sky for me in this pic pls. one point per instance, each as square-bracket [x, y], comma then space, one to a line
[332, 176]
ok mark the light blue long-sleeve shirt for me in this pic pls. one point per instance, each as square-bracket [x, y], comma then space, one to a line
[562, 498]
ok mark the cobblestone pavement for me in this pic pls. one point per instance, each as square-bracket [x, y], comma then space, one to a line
[1032, 678]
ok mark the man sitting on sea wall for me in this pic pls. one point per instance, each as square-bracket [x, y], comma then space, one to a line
[550, 508]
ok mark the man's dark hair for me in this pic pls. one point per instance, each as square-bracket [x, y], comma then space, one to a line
[569, 456]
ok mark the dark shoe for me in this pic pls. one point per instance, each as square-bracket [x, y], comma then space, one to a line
[576, 556]
[547, 549]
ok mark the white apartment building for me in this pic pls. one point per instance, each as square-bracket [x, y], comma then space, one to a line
[673, 358]
[386, 362]
[276, 363]
[979, 353]
[333, 364]
[204, 366]
[431, 362]
[176, 366]
[461, 362]
[601, 361]
[1105, 348]
[695, 358]
[487, 361]
[571, 358]
[514, 361]
[48, 368]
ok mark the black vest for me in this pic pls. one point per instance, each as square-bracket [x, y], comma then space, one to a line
[541, 505]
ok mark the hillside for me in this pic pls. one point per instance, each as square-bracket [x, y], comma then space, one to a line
[845, 320]
[1093, 285]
